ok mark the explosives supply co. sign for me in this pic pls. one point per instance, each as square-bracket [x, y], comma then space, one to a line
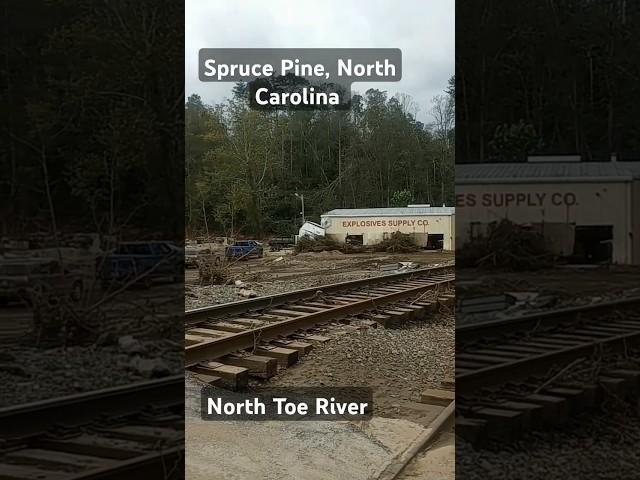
[399, 222]
[517, 199]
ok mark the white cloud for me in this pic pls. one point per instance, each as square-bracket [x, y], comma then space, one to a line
[423, 30]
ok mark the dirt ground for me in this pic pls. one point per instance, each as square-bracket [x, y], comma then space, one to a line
[136, 337]
[566, 281]
[437, 462]
[398, 364]
[282, 271]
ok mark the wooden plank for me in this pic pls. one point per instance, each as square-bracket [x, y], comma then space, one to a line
[418, 311]
[258, 365]
[315, 338]
[94, 445]
[287, 313]
[471, 365]
[519, 349]
[285, 356]
[235, 377]
[231, 327]
[212, 380]
[21, 472]
[59, 458]
[321, 305]
[499, 353]
[251, 322]
[434, 396]
[302, 347]
[306, 308]
[193, 339]
[144, 433]
[207, 332]
[480, 358]
[381, 319]
[503, 425]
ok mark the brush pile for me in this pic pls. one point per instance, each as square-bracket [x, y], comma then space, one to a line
[212, 271]
[397, 243]
[506, 246]
[317, 244]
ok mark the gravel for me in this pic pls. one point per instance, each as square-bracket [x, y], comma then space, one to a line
[29, 374]
[397, 363]
[602, 445]
[301, 271]
[201, 296]
[137, 337]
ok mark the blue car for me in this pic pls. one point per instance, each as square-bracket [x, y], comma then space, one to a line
[244, 249]
[143, 263]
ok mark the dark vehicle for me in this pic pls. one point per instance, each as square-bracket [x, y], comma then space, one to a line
[144, 261]
[25, 279]
[244, 249]
[277, 244]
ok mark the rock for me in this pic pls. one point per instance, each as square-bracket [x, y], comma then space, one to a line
[149, 367]
[14, 370]
[106, 338]
[239, 283]
[129, 344]
[247, 293]
[7, 357]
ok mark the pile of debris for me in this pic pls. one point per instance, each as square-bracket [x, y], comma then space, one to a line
[212, 271]
[397, 243]
[506, 246]
[317, 244]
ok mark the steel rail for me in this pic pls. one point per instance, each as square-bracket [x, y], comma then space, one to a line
[218, 347]
[489, 330]
[81, 408]
[537, 364]
[197, 315]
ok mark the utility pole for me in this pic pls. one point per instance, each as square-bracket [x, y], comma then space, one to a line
[301, 197]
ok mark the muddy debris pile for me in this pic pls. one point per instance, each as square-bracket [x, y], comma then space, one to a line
[211, 271]
[506, 246]
[397, 243]
[317, 244]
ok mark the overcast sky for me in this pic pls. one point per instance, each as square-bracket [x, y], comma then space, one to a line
[424, 31]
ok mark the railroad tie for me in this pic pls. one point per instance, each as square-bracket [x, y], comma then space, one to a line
[234, 377]
[434, 396]
[301, 347]
[258, 365]
[285, 356]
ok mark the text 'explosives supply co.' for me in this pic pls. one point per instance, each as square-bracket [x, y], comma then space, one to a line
[298, 77]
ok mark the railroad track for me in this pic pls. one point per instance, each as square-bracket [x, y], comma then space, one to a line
[268, 326]
[510, 372]
[132, 431]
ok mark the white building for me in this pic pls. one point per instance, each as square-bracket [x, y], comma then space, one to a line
[432, 227]
[589, 211]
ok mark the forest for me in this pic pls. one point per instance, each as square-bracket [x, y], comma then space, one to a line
[244, 167]
[549, 77]
[90, 139]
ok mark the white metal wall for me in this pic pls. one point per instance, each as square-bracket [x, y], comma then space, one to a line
[587, 204]
[374, 228]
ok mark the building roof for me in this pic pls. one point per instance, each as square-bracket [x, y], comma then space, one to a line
[389, 212]
[538, 172]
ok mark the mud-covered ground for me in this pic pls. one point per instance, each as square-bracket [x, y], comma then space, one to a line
[397, 364]
[134, 336]
[279, 272]
[547, 289]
